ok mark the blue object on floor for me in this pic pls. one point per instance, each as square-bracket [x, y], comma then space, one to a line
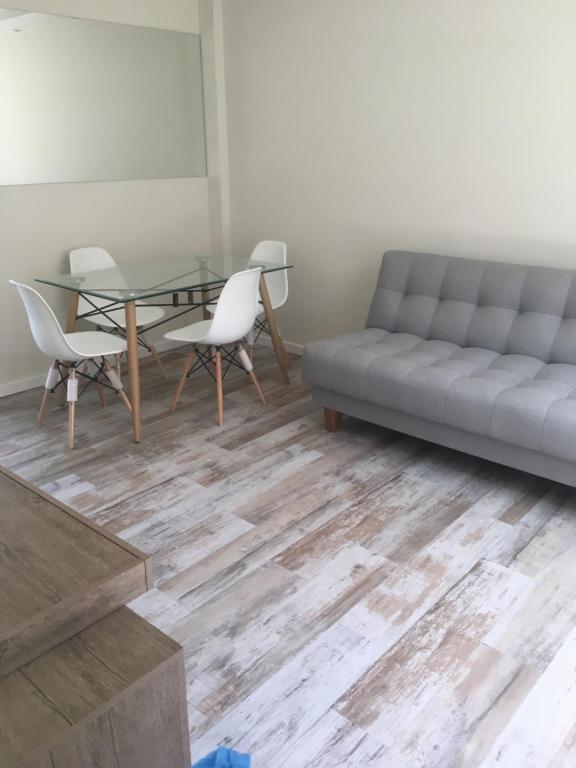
[224, 758]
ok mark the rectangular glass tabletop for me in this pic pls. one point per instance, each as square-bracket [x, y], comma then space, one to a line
[144, 279]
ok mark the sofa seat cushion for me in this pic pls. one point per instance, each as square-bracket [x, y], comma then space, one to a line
[513, 398]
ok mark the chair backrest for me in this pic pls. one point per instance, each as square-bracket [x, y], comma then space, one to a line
[512, 309]
[89, 259]
[236, 309]
[44, 325]
[273, 252]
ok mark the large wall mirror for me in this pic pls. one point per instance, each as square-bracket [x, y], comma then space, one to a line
[93, 101]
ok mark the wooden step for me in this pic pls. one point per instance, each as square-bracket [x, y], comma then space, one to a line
[59, 572]
[113, 695]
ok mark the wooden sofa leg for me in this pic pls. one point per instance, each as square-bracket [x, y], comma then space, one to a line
[332, 420]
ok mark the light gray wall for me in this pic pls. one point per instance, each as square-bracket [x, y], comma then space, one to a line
[132, 219]
[355, 127]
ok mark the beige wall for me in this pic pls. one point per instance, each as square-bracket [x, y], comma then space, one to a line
[133, 219]
[355, 127]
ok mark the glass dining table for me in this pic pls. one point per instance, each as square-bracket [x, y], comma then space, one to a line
[182, 284]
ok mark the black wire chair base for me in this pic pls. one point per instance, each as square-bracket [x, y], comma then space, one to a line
[100, 377]
[260, 327]
[204, 359]
[107, 309]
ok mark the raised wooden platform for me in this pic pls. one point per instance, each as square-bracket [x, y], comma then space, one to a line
[59, 572]
[112, 696]
[84, 682]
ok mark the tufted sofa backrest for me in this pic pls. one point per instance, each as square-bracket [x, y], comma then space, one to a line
[509, 308]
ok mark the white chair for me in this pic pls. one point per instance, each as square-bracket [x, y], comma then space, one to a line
[273, 252]
[91, 258]
[268, 252]
[234, 316]
[71, 353]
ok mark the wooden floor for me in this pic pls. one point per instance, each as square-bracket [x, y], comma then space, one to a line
[351, 599]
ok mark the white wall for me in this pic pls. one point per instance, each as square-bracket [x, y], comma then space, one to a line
[441, 125]
[132, 219]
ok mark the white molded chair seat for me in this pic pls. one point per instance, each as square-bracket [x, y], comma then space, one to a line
[68, 351]
[195, 333]
[95, 344]
[234, 316]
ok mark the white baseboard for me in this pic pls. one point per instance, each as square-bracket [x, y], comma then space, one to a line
[21, 385]
[32, 382]
[295, 349]
[161, 346]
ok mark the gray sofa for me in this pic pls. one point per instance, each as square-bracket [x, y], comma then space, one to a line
[474, 355]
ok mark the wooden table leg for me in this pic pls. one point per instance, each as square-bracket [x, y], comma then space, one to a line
[205, 299]
[133, 367]
[277, 343]
[73, 300]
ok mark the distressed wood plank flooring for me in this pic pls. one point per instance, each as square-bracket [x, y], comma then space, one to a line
[359, 599]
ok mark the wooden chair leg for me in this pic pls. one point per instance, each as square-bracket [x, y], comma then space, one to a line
[187, 365]
[112, 374]
[247, 363]
[43, 407]
[72, 398]
[251, 340]
[156, 356]
[63, 386]
[257, 385]
[119, 365]
[124, 397]
[51, 381]
[219, 391]
[154, 352]
[101, 394]
[332, 420]
[71, 422]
